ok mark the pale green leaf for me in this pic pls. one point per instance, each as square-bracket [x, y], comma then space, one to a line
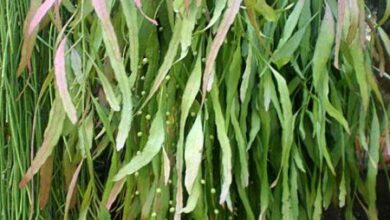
[193, 153]
[152, 148]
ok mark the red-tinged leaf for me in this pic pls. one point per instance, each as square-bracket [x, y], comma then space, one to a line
[52, 135]
[68, 169]
[138, 3]
[45, 174]
[114, 193]
[57, 16]
[187, 5]
[223, 28]
[29, 39]
[113, 51]
[340, 19]
[101, 11]
[354, 20]
[139, 6]
[71, 190]
[40, 13]
[62, 86]
[151, 20]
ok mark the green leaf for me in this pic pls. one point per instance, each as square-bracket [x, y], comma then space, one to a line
[291, 22]
[228, 19]
[189, 95]
[372, 171]
[130, 13]
[193, 153]
[247, 75]
[113, 51]
[108, 91]
[317, 204]
[322, 53]
[52, 135]
[385, 39]
[343, 191]
[283, 54]
[151, 149]
[243, 155]
[189, 20]
[287, 121]
[168, 59]
[360, 71]
[333, 112]
[263, 8]
[224, 144]
[386, 15]
[218, 8]
[194, 195]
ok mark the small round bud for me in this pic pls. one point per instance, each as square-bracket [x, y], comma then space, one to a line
[158, 190]
[160, 29]
[148, 117]
[202, 181]
[211, 137]
[193, 114]
[139, 112]
[143, 93]
[172, 210]
[142, 77]
[137, 193]
[167, 77]
[138, 152]
[213, 191]
[139, 134]
[169, 181]
[136, 174]
[216, 211]
[170, 202]
[145, 60]
[167, 113]
[154, 214]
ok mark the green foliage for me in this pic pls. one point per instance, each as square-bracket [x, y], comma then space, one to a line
[122, 109]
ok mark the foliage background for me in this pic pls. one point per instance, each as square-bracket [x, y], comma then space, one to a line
[192, 109]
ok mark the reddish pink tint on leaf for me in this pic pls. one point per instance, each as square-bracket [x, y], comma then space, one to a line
[28, 39]
[114, 193]
[50, 139]
[187, 5]
[223, 28]
[45, 174]
[137, 3]
[340, 19]
[102, 13]
[139, 6]
[59, 71]
[41, 12]
[71, 189]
